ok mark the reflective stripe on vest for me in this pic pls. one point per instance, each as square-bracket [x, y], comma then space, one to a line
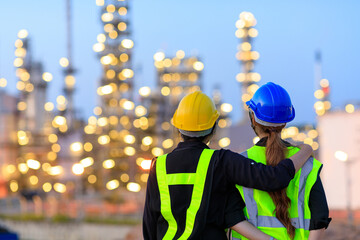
[197, 179]
[261, 212]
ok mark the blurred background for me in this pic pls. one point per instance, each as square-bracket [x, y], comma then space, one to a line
[88, 90]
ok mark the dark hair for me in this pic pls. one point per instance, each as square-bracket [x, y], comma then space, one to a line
[198, 139]
[193, 139]
[275, 152]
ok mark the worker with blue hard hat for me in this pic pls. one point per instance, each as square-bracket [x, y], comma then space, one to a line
[299, 211]
[191, 191]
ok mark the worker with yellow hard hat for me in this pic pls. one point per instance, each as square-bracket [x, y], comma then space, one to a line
[191, 191]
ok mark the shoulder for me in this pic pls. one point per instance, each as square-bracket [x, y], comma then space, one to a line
[317, 165]
[152, 170]
[226, 156]
[311, 168]
[218, 156]
[223, 153]
[314, 163]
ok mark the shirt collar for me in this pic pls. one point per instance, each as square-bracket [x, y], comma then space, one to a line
[191, 144]
[262, 142]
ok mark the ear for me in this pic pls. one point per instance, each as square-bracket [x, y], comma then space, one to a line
[252, 118]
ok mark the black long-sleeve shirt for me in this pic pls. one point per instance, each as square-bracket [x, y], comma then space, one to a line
[221, 205]
[318, 206]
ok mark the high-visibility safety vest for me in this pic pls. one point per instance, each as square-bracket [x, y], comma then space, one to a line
[197, 179]
[260, 208]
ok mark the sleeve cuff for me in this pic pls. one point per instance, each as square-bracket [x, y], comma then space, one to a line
[319, 223]
[288, 163]
[234, 218]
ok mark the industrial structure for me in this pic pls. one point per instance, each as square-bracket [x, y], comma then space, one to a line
[339, 139]
[322, 94]
[248, 78]
[8, 151]
[113, 132]
[241, 136]
[38, 142]
[47, 150]
[36, 154]
[44, 135]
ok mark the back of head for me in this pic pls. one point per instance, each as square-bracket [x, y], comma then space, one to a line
[270, 109]
[196, 115]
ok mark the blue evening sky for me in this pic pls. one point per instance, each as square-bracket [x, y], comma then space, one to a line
[289, 34]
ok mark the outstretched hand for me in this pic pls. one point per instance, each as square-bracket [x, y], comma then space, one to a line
[302, 156]
[306, 147]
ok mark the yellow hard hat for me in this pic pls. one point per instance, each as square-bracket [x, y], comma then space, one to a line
[196, 112]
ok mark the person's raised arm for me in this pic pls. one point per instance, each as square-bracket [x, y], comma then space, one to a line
[248, 173]
[316, 234]
[249, 231]
[301, 156]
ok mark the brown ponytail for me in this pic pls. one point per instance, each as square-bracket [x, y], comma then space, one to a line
[275, 152]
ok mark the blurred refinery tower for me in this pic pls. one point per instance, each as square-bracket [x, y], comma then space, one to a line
[43, 139]
[67, 109]
[247, 56]
[113, 128]
[8, 151]
[33, 121]
[67, 124]
[322, 92]
[241, 134]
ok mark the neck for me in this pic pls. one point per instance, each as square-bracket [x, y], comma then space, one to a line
[262, 135]
[206, 141]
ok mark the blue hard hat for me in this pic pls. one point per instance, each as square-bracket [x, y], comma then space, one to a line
[271, 105]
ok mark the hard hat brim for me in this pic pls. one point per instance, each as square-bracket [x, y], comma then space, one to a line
[269, 120]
